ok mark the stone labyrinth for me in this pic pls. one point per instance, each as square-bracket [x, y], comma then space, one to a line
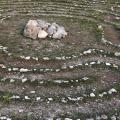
[74, 78]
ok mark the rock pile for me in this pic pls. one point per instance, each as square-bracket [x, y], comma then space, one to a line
[41, 29]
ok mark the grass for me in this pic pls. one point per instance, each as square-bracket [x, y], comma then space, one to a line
[7, 97]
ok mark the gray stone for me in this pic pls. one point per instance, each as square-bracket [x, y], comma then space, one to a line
[52, 29]
[43, 24]
[60, 33]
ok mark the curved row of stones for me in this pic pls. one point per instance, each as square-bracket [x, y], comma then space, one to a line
[85, 6]
[86, 52]
[8, 97]
[74, 8]
[105, 41]
[98, 117]
[44, 70]
[55, 81]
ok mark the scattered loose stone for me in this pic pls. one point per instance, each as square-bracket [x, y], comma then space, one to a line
[87, 52]
[38, 98]
[92, 95]
[100, 95]
[27, 98]
[3, 117]
[3, 80]
[35, 58]
[15, 97]
[85, 78]
[71, 67]
[24, 80]
[117, 53]
[27, 58]
[32, 92]
[12, 80]
[9, 69]
[86, 64]
[14, 69]
[20, 110]
[58, 81]
[68, 119]
[46, 58]
[100, 28]
[113, 117]
[63, 100]
[24, 70]
[92, 63]
[104, 117]
[72, 99]
[41, 29]
[108, 64]
[57, 70]
[115, 66]
[90, 119]
[112, 91]
[50, 99]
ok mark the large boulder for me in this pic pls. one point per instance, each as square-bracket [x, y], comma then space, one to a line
[31, 29]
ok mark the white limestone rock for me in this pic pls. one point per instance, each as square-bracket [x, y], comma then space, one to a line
[117, 53]
[92, 95]
[42, 34]
[31, 30]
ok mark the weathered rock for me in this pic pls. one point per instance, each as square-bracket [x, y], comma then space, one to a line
[57, 32]
[52, 29]
[42, 34]
[117, 53]
[60, 33]
[43, 24]
[31, 30]
[41, 29]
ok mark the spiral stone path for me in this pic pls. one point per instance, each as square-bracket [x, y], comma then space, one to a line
[75, 78]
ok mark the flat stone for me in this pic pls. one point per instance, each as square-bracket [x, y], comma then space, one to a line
[42, 34]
